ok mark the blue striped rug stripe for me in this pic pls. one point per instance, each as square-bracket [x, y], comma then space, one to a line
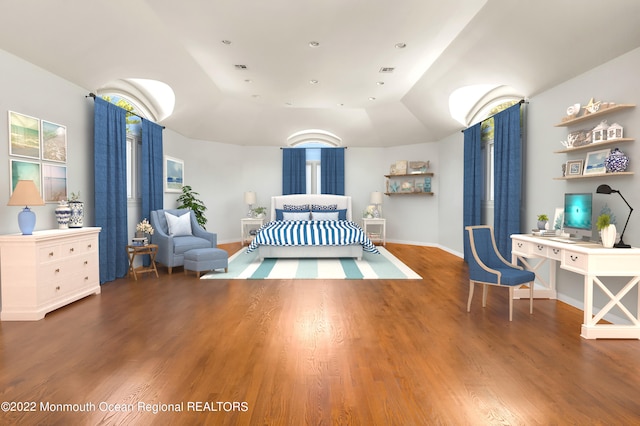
[244, 265]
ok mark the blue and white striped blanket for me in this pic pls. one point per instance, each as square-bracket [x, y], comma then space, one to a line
[311, 232]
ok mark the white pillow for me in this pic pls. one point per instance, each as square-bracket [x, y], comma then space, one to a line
[179, 225]
[324, 215]
[295, 215]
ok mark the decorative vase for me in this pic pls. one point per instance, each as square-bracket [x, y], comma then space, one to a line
[77, 214]
[616, 161]
[63, 214]
[608, 236]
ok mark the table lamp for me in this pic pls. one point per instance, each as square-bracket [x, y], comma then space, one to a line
[606, 189]
[250, 199]
[26, 194]
[376, 199]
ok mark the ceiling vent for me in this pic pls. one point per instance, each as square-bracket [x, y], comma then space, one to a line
[387, 70]
[240, 67]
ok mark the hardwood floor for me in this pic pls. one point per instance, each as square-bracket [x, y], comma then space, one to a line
[322, 352]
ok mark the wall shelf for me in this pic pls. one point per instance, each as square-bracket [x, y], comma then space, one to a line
[594, 175]
[420, 181]
[599, 113]
[594, 145]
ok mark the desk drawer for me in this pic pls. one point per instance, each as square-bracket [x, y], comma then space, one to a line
[529, 249]
[574, 261]
[554, 253]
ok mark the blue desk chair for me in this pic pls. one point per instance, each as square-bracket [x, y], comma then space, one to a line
[488, 267]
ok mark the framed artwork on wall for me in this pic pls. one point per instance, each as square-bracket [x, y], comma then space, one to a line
[25, 170]
[173, 174]
[24, 135]
[54, 142]
[54, 182]
[595, 162]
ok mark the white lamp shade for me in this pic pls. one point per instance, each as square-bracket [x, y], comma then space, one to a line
[249, 197]
[25, 194]
[376, 198]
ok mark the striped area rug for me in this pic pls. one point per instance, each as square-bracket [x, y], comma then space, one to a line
[243, 265]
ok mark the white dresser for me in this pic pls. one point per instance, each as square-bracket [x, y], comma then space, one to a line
[47, 270]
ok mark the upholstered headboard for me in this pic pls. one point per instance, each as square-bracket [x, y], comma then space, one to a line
[343, 201]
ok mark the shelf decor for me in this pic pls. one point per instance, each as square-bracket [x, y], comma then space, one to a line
[595, 162]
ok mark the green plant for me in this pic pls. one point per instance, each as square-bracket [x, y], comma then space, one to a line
[259, 210]
[75, 196]
[189, 200]
[603, 221]
[543, 217]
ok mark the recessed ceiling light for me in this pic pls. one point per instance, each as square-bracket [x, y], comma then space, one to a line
[380, 83]
[248, 81]
[314, 43]
[255, 96]
[387, 70]
[227, 42]
[288, 103]
[240, 67]
[401, 45]
[340, 105]
[371, 98]
[313, 81]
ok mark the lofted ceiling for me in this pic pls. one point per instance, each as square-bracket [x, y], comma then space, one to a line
[526, 45]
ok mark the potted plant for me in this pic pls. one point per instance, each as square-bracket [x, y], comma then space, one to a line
[189, 200]
[607, 230]
[542, 221]
[259, 212]
[77, 211]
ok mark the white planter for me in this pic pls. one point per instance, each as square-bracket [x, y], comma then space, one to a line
[608, 236]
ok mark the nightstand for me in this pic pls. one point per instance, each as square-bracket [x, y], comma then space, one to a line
[247, 224]
[375, 229]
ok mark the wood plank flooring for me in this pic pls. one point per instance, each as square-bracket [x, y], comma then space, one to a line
[314, 352]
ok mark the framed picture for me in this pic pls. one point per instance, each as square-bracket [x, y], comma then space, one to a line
[54, 142]
[173, 174]
[25, 170]
[558, 218]
[595, 162]
[574, 167]
[54, 182]
[24, 135]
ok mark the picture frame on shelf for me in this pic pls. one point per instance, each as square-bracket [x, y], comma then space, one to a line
[54, 141]
[24, 135]
[173, 174]
[574, 167]
[594, 163]
[399, 168]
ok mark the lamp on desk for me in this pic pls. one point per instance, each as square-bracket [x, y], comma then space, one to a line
[606, 189]
[26, 194]
[250, 199]
[376, 200]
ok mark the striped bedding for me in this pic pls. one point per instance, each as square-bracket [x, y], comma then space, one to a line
[311, 232]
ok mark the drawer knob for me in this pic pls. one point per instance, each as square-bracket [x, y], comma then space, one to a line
[86, 262]
[58, 287]
[57, 270]
[520, 245]
[88, 245]
[50, 254]
[556, 251]
[573, 258]
[540, 247]
[71, 249]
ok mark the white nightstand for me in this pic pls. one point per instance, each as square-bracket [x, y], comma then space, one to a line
[247, 224]
[379, 229]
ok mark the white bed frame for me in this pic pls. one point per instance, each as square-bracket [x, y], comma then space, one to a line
[343, 202]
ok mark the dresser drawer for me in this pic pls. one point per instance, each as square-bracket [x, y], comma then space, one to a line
[49, 253]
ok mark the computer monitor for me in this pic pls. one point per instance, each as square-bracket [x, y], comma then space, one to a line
[578, 209]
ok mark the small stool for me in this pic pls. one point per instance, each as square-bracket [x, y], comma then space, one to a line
[205, 259]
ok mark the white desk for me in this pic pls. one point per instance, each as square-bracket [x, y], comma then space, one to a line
[593, 262]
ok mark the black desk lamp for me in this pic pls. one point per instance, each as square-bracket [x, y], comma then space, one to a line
[606, 189]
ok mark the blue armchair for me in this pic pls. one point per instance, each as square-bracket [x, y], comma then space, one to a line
[171, 248]
[488, 267]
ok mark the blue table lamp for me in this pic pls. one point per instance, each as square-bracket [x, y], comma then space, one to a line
[26, 194]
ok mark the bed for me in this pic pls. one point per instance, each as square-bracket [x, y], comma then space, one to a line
[295, 232]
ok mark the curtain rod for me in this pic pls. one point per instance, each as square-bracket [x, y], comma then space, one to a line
[93, 95]
[522, 101]
[315, 147]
